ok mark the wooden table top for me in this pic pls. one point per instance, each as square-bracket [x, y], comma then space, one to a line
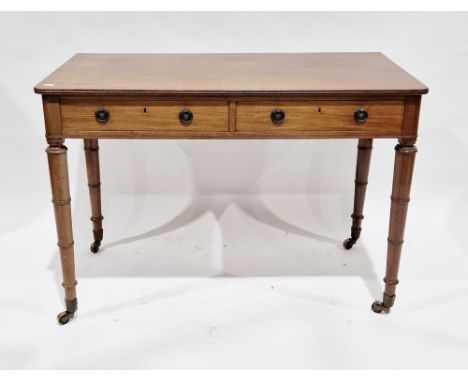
[230, 74]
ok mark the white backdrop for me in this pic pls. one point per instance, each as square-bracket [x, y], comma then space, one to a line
[432, 46]
[307, 184]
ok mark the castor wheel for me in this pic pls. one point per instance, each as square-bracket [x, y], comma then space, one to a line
[379, 307]
[348, 243]
[64, 317]
[95, 246]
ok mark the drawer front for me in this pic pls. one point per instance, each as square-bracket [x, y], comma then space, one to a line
[79, 115]
[385, 118]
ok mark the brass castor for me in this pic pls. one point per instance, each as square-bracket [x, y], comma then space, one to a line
[348, 243]
[379, 307]
[64, 317]
[95, 246]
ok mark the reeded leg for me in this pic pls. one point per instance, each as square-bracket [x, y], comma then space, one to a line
[57, 157]
[362, 173]
[405, 153]
[91, 148]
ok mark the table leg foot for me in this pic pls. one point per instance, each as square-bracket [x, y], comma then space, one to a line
[379, 307]
[98, 235]
[348, 243]
[65, 317]
[385, 305]
[95, 246]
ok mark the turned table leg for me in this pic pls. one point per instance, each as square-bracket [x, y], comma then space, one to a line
[91, 148]
[58, 169]
[362, 173]
[405, 153]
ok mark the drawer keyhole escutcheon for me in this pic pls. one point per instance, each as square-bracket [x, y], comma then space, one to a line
[185, 116]
[360, 115]
[277, 116]
[102, 115]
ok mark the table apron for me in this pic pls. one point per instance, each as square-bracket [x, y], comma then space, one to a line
[140, 118]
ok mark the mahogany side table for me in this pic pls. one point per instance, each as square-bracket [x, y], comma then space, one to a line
[230, 96]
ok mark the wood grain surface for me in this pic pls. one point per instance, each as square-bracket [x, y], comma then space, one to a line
[330, 116]
[78, 115]
[230, 74]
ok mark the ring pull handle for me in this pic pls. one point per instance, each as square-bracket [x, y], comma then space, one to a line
[102, 115]
[360, 115]
[185, 116]
[277, 116]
